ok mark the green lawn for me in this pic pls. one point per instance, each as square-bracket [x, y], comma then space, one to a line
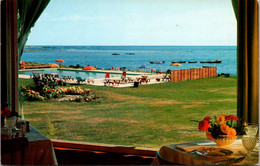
[147, 116]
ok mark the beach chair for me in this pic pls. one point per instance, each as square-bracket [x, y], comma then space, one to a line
[107, 75]
[124, 73]
[107, 82]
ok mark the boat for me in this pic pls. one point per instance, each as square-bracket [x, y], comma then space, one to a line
[192, 61]
[115, 54]
[157, 62]
[130, 53]
[179, 62]
[216, 61]
[176, 64]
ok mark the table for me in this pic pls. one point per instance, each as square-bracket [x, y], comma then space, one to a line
[173, 154]
[126, 79]
[112, 81]
[39, 151]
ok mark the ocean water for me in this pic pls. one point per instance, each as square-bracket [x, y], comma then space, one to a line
[101, 56]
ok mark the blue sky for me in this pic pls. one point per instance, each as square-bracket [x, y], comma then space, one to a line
[135, 22]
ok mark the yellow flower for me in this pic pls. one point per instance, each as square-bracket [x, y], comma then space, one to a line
[221, 119]
[232, 133]
[225, 128]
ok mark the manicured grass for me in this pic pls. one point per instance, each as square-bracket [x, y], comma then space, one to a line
[147, 116]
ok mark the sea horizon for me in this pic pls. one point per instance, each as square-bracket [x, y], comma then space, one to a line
[137, 45]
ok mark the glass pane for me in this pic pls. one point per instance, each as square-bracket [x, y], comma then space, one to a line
[158, 111]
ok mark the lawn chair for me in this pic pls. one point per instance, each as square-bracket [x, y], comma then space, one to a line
[123, 79]
[130, 80]
[144, 79]
[166, 77]
[117, 82]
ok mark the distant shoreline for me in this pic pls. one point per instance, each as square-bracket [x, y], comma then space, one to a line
[41, 46]
[102, 56]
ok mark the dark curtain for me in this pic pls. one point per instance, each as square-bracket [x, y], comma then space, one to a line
[246, 12]
[28, 11]
[9, 72]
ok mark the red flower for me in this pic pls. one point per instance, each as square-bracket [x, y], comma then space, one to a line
[204, 125]
[207, 118]
[7, 112]
[231, 117]
[209, 135]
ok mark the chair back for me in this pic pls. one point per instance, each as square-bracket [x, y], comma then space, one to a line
[107, 75]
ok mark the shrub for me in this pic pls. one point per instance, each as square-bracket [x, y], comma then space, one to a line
[45, 80]
[79, 79]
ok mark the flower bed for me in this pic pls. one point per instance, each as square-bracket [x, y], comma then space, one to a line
[58, 92]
